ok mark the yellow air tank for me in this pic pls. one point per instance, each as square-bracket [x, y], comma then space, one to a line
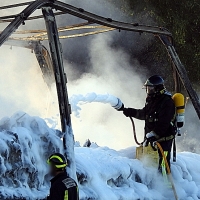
[179, 102]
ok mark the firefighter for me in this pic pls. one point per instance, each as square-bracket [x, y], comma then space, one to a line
[62, 186]
[159, 115]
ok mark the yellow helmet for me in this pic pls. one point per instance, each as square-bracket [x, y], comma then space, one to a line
[57, 160]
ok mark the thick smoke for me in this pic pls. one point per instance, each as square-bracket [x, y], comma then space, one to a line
[124, 40]
[111, 73]
[100, 66]
[189, 141]
[104, 63]
[21, 84]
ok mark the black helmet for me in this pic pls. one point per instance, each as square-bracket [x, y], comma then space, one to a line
[57, 160]
[157, 82]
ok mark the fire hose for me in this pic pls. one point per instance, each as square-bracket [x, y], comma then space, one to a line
[134, 132]
[168, 170]
[163, 155]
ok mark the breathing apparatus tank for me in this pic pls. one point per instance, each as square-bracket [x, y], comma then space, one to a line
[179, 102]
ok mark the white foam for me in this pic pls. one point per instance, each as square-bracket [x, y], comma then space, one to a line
[77, 100]
[104, 173]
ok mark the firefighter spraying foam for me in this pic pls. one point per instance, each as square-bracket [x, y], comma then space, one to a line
[160, 115]
[163, 114]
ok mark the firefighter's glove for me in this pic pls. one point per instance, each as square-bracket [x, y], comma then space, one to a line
[121, 108]
[152, 136]
[127, 112]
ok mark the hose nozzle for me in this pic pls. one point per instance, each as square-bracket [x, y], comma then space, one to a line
[119, 105]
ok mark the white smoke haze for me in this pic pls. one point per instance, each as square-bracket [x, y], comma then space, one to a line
[22, 88]
[110, 71]
[189, 141]
[21, 84]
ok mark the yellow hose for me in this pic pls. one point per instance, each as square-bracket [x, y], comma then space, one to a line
[168, 170]
[164, 157]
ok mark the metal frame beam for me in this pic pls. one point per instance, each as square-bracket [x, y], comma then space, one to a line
[16, 5]
[57, 60]
[81, 13]
[182, 73]
[78, 12]
[61, 85]
[19, 19]
[56, 51]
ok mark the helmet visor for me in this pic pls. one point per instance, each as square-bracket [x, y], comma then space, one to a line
[150, 90]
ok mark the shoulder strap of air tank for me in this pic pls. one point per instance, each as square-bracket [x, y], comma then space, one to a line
[164, 100]
[174, 150]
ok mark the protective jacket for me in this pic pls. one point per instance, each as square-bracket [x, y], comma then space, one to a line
[63, 188]
[158, 113]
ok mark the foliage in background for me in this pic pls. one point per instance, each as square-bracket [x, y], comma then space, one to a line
[182, 18]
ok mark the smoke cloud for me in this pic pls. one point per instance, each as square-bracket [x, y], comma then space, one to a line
[111, 73]
[108, 71]
[124, 40]
[21, 84]
[104, 63]
[189, 141]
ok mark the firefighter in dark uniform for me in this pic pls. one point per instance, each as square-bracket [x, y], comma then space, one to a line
[62, 186]
[159, 115]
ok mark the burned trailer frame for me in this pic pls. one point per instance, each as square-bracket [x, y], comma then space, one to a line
[55, 62]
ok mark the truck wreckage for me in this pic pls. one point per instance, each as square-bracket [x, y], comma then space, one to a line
[51, 64]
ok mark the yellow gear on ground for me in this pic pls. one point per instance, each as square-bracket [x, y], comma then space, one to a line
[147, 153]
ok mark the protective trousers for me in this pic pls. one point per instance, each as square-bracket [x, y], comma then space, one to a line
[167, 146]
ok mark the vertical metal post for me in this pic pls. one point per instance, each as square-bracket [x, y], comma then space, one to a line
[61, 80]
[181, 73]
[177, 84]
